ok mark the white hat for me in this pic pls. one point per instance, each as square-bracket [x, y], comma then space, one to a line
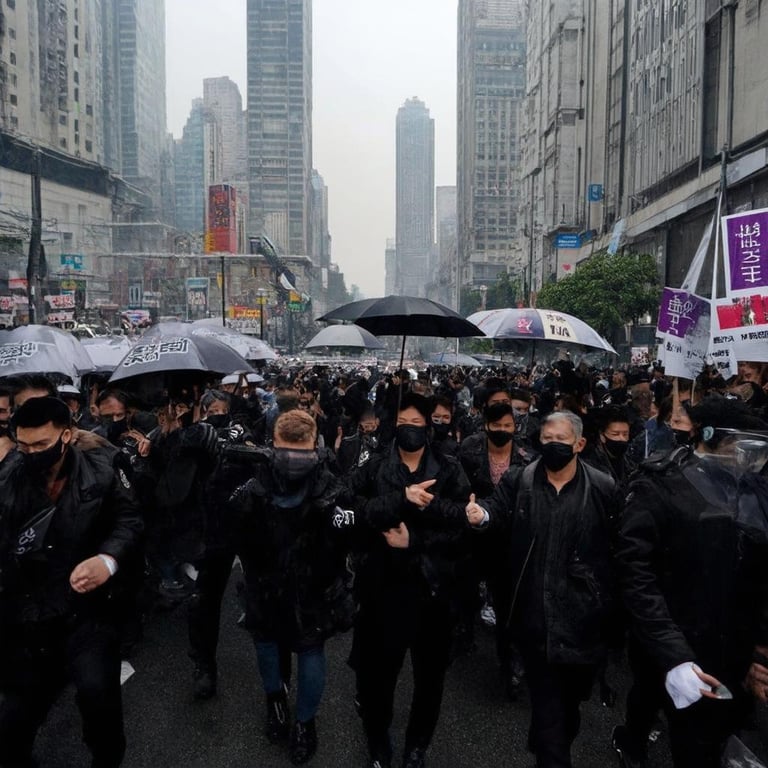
[68, 389]
[253, 378]
[232, 378]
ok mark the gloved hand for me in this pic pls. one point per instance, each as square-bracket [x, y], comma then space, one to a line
[686, 684]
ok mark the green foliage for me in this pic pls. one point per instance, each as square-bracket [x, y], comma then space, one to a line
[470, 301]
[504, 292]
[606, 291]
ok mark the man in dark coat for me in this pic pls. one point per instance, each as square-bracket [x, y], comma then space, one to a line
[69, 522]
[293, 546]
[557, 514]
[693, 552]
[410, 531]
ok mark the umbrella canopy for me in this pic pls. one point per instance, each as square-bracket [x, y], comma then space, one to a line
[42, 349]
[404, 316]
[352, 336]
[453, 358]
[246, 346]
[539, 325]
[106, 352]
[183, 353]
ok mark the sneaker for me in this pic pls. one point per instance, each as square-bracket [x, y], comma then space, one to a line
[204, 683]
[277, 727]
[416, 757]
[488, 615]
[303, 742]
[629, 756]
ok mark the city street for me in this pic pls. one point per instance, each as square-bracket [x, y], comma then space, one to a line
[166, 727]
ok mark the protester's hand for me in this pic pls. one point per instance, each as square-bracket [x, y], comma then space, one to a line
[683, 684]
[337, 442]
[398, 538]
[475, 513]
[756, 681]
[417, 493]
[89, 575]
[143, 444]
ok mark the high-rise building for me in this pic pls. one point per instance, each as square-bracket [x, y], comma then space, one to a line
[320, 238]
[445, 274]
[491, 92]
[50, 74]
[415, 197]
[390, 267]
[198, 165]
[221, 97]
[280, 120]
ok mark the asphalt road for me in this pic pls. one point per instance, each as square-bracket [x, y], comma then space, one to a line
[166, 727]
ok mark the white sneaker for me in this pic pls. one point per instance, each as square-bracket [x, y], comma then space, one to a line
[488, 615]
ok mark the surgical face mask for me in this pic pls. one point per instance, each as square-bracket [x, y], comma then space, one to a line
[616, 448]
[499, 437]
[40, 462]
[295, 464]
[410, 438]
[555, 456]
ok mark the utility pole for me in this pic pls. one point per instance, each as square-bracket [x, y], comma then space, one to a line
[223, 294]
[36, 258]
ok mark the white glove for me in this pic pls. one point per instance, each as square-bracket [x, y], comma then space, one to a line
[342, 518]
[684, 685]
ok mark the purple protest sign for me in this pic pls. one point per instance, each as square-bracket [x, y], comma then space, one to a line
[745, 242]
[679, 311]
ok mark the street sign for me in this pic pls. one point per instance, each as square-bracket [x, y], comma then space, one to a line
[595, 193]
[72, 260]
[568, 241]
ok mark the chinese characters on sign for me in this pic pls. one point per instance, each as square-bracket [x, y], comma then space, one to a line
[12, 353]
[745, 245]
[679, 312]
[151, 353]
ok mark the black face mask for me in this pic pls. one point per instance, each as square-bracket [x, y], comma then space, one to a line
[616, 448]
[555, 456]
[682, 436]
[440, 430]
[294, 464]
[499, 437]
[114, 428]
[40, 463]
[410, 438]
[5, 428]
[218, 420]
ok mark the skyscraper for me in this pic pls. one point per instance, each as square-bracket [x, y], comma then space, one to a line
[415, 197]
[320, 238]
[491, 91]
[221, 97]
[280, 120]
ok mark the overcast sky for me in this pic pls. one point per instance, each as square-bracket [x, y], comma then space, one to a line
[369, 57]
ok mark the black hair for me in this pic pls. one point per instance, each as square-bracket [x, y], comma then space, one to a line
[715, 411]
[520, 394]
[38, 411]
[116, 394]
[39, 381]
[443, 400]
[419, 402]
[612, 414]
[207, 400]
[496, 412]
[6, 392]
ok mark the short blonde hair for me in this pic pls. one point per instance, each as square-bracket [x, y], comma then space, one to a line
[295, 426]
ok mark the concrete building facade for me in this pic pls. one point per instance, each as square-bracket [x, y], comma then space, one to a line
[320, 237]
[491, 92]
[444, 287]
[280, 120]
[221, 97]
[414, 197]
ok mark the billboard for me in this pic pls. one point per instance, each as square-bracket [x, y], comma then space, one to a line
[222, 219]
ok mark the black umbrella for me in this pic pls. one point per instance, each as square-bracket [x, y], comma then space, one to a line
[174, 352]
[404, 316]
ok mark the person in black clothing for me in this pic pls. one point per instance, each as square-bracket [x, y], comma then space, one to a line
[443, 431]
[693, 555]
[358, 448]
[609, 452]
[559, 515]
[410, 531]
[293, 546]
[69, 523]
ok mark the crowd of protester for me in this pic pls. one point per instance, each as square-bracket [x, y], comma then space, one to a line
[579, 512]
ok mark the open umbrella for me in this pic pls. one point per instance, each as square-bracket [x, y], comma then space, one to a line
[106, 352]
[351, 336]
[404, 316]
[453, 358]
[539, 325]
[168, 353]
[42, 349]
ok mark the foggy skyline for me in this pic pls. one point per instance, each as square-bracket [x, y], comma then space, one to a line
[366, 62]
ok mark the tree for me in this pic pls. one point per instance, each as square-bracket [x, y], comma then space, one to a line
[606, 291]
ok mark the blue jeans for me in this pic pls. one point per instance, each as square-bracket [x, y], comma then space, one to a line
[310, 676]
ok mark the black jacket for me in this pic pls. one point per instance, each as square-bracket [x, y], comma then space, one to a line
[694, 579]
[560, 563]
[438, 533]
[294, 559]
[97, 513]
[473, 454]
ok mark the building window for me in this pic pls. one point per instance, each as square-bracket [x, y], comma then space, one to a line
[77, 50]
[14, 121]
[12, 58]
[63, 143]
[14, 99]
[62, 119]
[76, 77]
[12, 33]
[89, 110]
[77, 94]
[10, 3]
[88, 146]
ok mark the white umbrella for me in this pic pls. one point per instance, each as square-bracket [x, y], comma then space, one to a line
[351, 336]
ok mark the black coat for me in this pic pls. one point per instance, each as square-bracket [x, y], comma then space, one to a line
[297, 584]
[694, 580]
[97, 513]
[425, 571]
[568, 556]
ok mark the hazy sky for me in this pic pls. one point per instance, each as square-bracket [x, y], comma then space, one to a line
[369, 57]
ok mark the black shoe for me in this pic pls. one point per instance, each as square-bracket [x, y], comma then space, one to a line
[205, 683]
[303, 742]
[630, 756]
[416, 757]
[278, 728]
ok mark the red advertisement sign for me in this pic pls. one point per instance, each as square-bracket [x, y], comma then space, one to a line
[222, 218]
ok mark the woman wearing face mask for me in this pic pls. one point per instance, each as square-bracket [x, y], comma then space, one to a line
[409, 538]
[443, 433]
[292, 541]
